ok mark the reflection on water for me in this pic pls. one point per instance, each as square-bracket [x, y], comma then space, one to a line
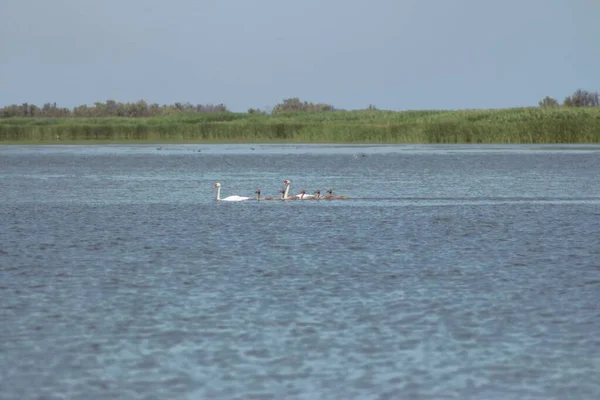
[452, 272]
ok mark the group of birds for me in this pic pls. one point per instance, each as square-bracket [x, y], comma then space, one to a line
[284, 194]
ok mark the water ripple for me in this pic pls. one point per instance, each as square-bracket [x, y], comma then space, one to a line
[471, 275]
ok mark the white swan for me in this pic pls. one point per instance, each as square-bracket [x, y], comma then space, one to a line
[302, 196]
[286, 192]
[228, 198]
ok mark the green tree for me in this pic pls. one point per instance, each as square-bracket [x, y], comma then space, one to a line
[548, 102]
[582, 98]
[294, 104]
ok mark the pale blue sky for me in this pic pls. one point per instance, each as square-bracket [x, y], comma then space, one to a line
[395, 54]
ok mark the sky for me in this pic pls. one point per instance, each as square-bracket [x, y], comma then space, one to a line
[393, 54]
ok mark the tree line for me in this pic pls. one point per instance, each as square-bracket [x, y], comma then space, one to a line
[141, 108]
[581, 98]
[111, 108]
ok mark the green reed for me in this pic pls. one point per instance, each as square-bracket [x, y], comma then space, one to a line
[519, 125]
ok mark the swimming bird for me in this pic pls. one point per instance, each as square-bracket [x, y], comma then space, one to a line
[286, 192]
[331, 196]
[228, 198]
[268, 198]
[319, 196]
[304, 196]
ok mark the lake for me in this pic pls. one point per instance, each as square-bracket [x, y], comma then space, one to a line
[458, 271]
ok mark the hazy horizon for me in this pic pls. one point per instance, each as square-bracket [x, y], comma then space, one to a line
[395, 55]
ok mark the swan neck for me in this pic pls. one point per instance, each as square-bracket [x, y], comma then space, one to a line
[287, 190]
[218, 193]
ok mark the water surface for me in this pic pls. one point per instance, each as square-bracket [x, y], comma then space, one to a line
[452, 272]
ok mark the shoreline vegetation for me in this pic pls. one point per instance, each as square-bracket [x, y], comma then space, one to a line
[297, 122]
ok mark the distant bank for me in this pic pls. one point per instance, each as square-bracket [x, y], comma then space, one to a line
[517, 125]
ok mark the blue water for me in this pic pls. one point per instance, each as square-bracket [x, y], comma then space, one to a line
[452, 272]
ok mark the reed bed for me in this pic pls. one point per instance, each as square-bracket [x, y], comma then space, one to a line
[519, 125]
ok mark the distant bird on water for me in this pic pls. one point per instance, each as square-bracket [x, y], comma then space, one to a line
[228, 198]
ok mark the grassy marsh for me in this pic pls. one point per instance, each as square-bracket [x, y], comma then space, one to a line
[518, 125]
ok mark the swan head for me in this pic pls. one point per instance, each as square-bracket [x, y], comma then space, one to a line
[217, 185]
[257, 191]
[303, 192]
[317, 191]
[329, 191]
[287, 182]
